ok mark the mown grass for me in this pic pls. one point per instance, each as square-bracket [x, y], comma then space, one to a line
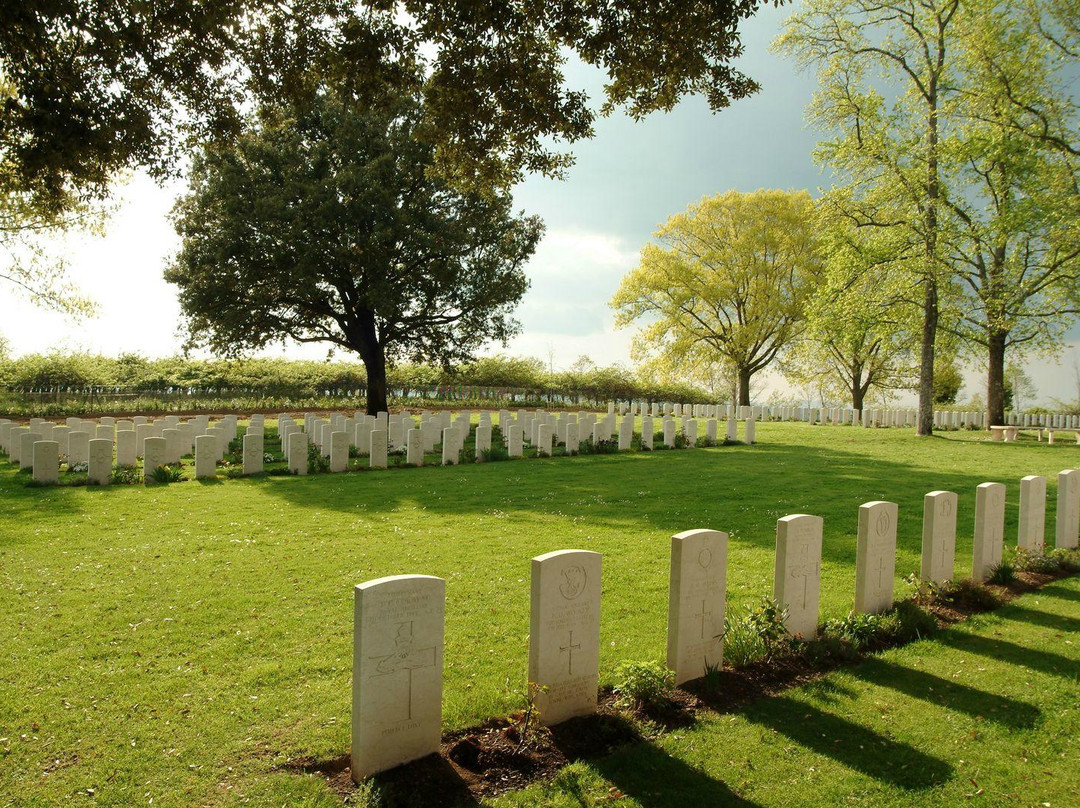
[180, 642]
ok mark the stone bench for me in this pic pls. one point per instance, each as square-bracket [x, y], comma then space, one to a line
[1008, 434]
[1050, 434]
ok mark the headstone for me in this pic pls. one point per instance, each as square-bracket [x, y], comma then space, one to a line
[669, 433]
[564, 633]
[696, 599]
[513, 440]
[414, 447]
[648, 433]
[253, 454]
[626, 433]
[298, 453]
[172, 445]
[78, 447]
[989, 530]
[573, 443]
[690, 430]
[750, 429]
[101, 461]
[483, 441]
[449, 446]
[153, 456]
[732, 426]
[26, 450]
[939, 537]
[1068, 509]
[377, 449]
[205, 457]
[45, 458]
[875, 557]
[1032, 524]
[543, 440]
[797, 577]
[339, 451]
[398, 625]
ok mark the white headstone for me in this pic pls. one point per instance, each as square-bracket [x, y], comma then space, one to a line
[797, 576]
[398, 625]
[939, 537]
[414, 447]
[298, 453]
[1032, 524]
[543, 440]
[78, 447]
[696, 600]
[339, 451]
[253, 453]
[26, 450]
[875, 557]
[513, 440]
[377, 449]
[989, 530]
[564, 633]
[101, 461]
[483, 440]
[153, 456]
[45, 457]
[205, 457]
[1068, 509]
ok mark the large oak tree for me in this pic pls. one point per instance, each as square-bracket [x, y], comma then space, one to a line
[326, 224]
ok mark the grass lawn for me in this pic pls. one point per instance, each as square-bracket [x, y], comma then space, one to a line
[177, 643]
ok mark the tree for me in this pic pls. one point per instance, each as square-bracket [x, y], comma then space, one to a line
[858, 332]
[725, 282]
[885, 144]
[1015, 244]
[327, 225]
[1019, 386]
[91, 87]
[948, 380]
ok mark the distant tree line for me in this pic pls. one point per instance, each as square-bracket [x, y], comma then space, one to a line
[485, 378]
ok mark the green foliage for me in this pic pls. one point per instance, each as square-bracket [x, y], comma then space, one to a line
[681, 441]
[495, 454]
[757, 634]
[725, 283]
[591, 447]
[126, 475]
[1002, 574]
[431, 277]
[167, 474]
[1050, 562]
[317, 463]
[948, 380]
[644, 685]
[970, 595]
[858, 632]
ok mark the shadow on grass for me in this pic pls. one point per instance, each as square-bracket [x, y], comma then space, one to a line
[948, 694]
[730, 488]
[1057, 622]
[1003, 650]
[853, 745]
[1061, 592]
[654, 779]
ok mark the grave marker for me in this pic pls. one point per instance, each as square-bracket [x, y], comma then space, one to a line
[989, 530]
[101, 461]
[564, 633]
[1032, 523]
[875, 557]
[1068, 509]
[696, 600]
[939, 537]
[398, 628]
[797, 576]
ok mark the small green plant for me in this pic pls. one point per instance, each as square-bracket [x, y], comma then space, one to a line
[1026, 560]
[908, 622]
[681, 441]
[495, 454]
[316, 463]
[78, 468]
[167, 474]
[857, 632]
[705, 442]
[525, 722]
[125, 475]
[965, 593]
[234, 472]
[757, 635]
[712, 676]
[644, 685]
[1002, 574]
[589, 446]
[467, 455]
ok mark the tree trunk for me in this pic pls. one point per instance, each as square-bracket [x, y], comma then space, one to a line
[995, 379]
[744, 386]
[364, 339]
[926, 358]
[857, 395]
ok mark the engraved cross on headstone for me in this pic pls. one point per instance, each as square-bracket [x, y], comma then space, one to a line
[569, 648]
[703, 614]
[405, 658]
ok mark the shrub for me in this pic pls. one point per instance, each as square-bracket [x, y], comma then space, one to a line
[125, 475]
[1003, 574]
[495, 454]
[967, 594]
[467, 455]
[757, 635]
[78, 468]
[908, 622]
[705, 442]
[1036, 561]
[316, 463]
[167, 474]
[588, 446]
[681, 441]
[644, 685]
[853, 634]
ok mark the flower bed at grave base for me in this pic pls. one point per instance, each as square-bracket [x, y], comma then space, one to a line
[507, 754]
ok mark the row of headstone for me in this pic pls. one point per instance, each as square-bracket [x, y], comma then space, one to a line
[398, 626]
[108, 443]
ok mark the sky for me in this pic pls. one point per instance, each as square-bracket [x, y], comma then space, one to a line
[626, 181]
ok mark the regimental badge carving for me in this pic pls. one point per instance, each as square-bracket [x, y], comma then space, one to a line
[883, 523]
[574, 580]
